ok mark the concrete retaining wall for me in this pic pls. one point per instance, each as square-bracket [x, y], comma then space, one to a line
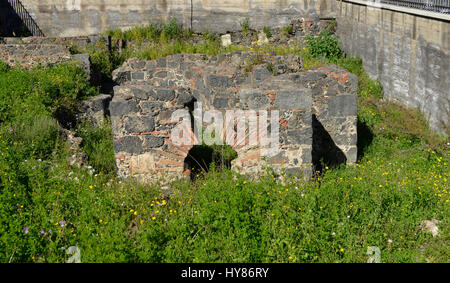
[84, 17]
[407, 50]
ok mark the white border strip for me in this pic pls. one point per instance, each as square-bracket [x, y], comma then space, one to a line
[413, 11]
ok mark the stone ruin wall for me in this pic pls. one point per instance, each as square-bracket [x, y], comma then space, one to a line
[29, 55]
[317, 111]
[32, 51]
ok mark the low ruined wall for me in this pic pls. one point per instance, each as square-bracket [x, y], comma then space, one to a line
[316, 112]
[79, 41]
[408, 50]
[84, 17]
[29, 55]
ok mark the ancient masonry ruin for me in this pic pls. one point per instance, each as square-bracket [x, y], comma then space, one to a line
[28, 52]
[317, 111]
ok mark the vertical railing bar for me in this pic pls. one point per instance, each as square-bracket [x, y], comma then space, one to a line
[26, 17]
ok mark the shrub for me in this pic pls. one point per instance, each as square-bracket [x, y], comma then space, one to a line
[3, 67]
[152, 32]
[211, 37]
[324, 45]
[287, 30]
[74, 49]
[171, 30]
[245, 26]
[161, 49]
[266, 30]
[142, 33]
[254, 60]
[116, 33]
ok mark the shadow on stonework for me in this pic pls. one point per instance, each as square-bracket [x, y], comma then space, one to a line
[11, 25]
[324, 151]
[66, 117]
[365, 137]
[203, 158]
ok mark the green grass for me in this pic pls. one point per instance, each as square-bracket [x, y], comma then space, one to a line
[3, 67]
[152, 32]
[401, 179]
[223, 218]
[41, 91]
[98, 145]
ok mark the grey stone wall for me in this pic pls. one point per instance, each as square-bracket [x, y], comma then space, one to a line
[334, 116]
[317, 106]
[79, 41]
[95, 109]
[407, 52]
[84, 17]
[29, 55]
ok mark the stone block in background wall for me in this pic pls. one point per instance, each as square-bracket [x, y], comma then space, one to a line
[95, 109]
[316, 112]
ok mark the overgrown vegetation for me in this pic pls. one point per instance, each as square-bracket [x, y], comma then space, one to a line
[155, 41]
[3, 67]
[104, 60]
[266, 30]
[98, 145]
[245, 26]
[44, 91]
[148, 42]
[325, 44]
[153, 32]
[254, 60]
[401, 179]
[288, 29]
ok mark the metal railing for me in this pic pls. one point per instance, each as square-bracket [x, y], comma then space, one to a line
[27, 20]
[439, 6]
